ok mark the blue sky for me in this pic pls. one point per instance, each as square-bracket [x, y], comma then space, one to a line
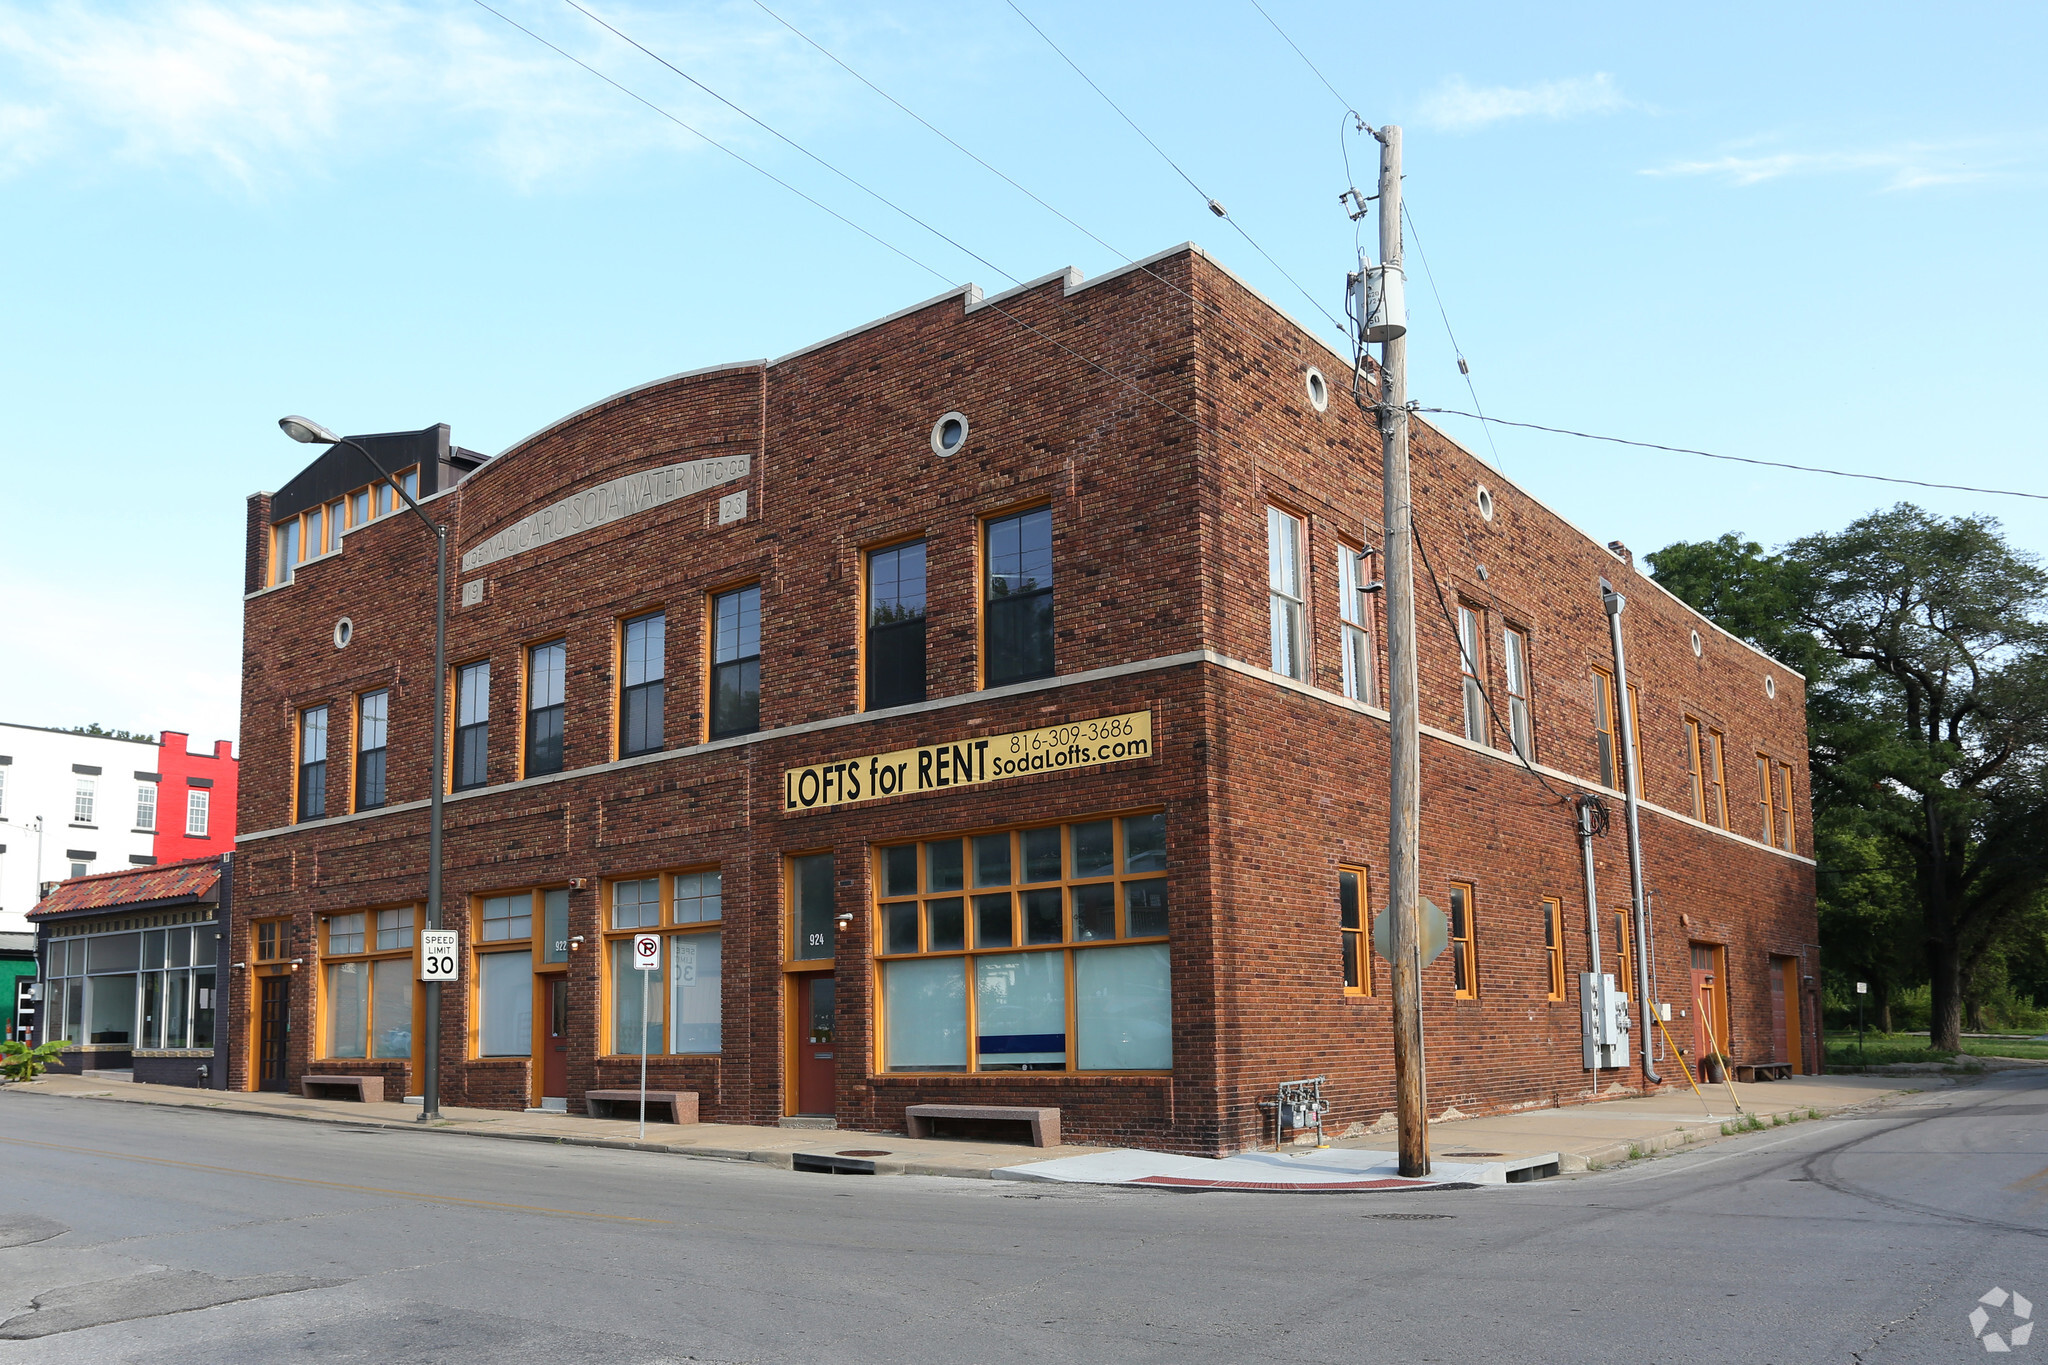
[1798, 233]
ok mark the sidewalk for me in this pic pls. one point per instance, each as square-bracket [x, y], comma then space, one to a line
[1575, 1138]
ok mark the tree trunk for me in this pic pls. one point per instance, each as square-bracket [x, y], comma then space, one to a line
[1945, 1021]
[1973, 1014]
[1884, 1007]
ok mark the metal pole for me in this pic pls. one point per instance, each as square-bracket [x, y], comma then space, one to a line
[1614, 602]
[1405, 739]
[430, 1107]
[644, 975]
[1592, 898]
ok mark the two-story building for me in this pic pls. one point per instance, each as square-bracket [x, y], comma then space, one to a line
[985, 705]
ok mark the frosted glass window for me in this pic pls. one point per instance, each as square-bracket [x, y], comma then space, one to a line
[554, 925]
[699, 897]
[391, 1007]
[1020, 1004]
[508, 917]
[925, 1004]
[345, 934]
[697, 1009]
[636, 905]
[348, 1008]
[505, 990]
[1123, 1008]
[394, 929]
[630, 1027]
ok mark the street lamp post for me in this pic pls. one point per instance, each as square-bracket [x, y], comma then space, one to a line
[312, 433]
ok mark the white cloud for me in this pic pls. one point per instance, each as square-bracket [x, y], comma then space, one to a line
[1458, 107]
[261, 90]
[1910, 166]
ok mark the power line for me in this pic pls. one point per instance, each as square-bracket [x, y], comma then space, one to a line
[1299, 53]
[1740, 459]
[1215, 206]
[1019, 322]
[1456, 350]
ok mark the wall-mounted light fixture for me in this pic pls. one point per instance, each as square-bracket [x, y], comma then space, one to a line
[576, 943]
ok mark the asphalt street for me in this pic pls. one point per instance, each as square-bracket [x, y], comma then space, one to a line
[141, 1234]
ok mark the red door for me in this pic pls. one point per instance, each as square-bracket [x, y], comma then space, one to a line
[554, 1053]
[816, 1067]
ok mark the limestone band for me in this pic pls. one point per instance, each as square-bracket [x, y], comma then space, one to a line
[968, 762]
[607, 502]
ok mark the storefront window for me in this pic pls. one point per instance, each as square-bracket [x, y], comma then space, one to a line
[505, 1004]
[683, 1010]
[368, 982]
[149, 989]
[1013, 917]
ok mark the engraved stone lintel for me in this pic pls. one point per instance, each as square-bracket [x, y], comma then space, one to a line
[607, 502]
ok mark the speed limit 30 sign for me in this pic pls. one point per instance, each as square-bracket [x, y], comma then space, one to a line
[439, 959]
[647, 952]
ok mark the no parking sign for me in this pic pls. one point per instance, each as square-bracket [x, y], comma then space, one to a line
[647, 952]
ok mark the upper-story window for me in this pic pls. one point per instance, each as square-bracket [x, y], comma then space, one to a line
[1284, 593]
[1704, 760]
[1361, 676]
[319, 530]
[145, 806]
[373, 718]
[1606, 711]
[895, 626]
[736, 662]
[1017, 600]
[197, 813]
[360, 508]
[1767, 798]
[312, 763]
[84, 800]
[643, 645]
[472, 724]
[1521, 724]
[1471, 660]
[1785, 837]
[546, 669]
[284, 550]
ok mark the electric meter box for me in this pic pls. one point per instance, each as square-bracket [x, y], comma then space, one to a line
[1603, 1021]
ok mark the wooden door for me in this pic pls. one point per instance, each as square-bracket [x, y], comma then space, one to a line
[814, 1027]
[1785, 999]
[273, 1031]
[554, 1049]
[1706, 1030]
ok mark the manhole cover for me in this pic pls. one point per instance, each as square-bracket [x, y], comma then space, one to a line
[1407, 1217]
[863, 1151]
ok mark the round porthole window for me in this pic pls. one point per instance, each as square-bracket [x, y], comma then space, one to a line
[1697, 647]
[949, 433]
[344, 631]
[1318, 389]
[1485, 500]
[1770, 686]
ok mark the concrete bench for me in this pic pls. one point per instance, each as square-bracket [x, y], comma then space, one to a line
[368, 1089]
[1763, 1071]
[625, 1104]
[1044, 1123]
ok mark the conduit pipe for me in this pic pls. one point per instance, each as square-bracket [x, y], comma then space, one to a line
[1625, 726]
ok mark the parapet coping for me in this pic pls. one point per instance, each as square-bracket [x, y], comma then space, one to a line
[1164, 661]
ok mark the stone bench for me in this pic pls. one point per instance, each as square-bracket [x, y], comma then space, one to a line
[1044, 1123]
[1763, 1071]
[368, 1089]
[625, 1104]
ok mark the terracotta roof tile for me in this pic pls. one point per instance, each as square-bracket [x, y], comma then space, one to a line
[133, 886]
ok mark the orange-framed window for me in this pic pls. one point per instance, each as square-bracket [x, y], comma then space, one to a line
[1463, 944]
[677, 1007]
[736, 661]
[1767, 799]
[513, 936]
[1354, 893]
[1785, 841]
[1553, 945]
[270, 940]
[1622, 946]
[1606, 728]
[366, 983]
[311, 744]
[1713, 760]
[1040, 948]
[472, 749]
[547, 669]
[1695, 768]
[1016, 603]
[643, 673]
[893, 633]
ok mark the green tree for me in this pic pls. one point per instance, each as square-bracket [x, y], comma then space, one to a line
[1927, 661]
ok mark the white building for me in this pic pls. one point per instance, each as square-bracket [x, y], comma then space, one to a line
[71, 805]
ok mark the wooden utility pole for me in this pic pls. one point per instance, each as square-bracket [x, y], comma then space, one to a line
[1405, 811]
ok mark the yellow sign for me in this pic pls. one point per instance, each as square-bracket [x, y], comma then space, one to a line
[968, 762]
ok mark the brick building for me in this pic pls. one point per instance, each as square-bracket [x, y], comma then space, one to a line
[983, 705]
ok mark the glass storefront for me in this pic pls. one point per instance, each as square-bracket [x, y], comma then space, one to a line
[150, 989]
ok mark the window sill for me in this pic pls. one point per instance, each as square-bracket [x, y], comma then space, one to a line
[141, 831]
[660, 1056]
[79, 826]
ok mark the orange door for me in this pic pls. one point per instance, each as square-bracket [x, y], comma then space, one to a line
[1785, 988]
[817, 997]
[1706, 1028]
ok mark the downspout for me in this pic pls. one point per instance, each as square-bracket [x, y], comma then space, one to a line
[223, 976]
[1586, 808]
[1625, 724]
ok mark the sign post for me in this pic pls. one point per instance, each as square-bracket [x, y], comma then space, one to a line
[647, 957]
[1862, 989]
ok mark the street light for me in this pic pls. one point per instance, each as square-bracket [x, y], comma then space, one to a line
[308, 432]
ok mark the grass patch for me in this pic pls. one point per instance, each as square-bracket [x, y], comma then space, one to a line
[1880, 1049]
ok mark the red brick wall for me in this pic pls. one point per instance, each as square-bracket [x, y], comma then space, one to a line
[1159, 549]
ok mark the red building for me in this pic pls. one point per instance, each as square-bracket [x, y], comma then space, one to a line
[195, 816]
[984, 706]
